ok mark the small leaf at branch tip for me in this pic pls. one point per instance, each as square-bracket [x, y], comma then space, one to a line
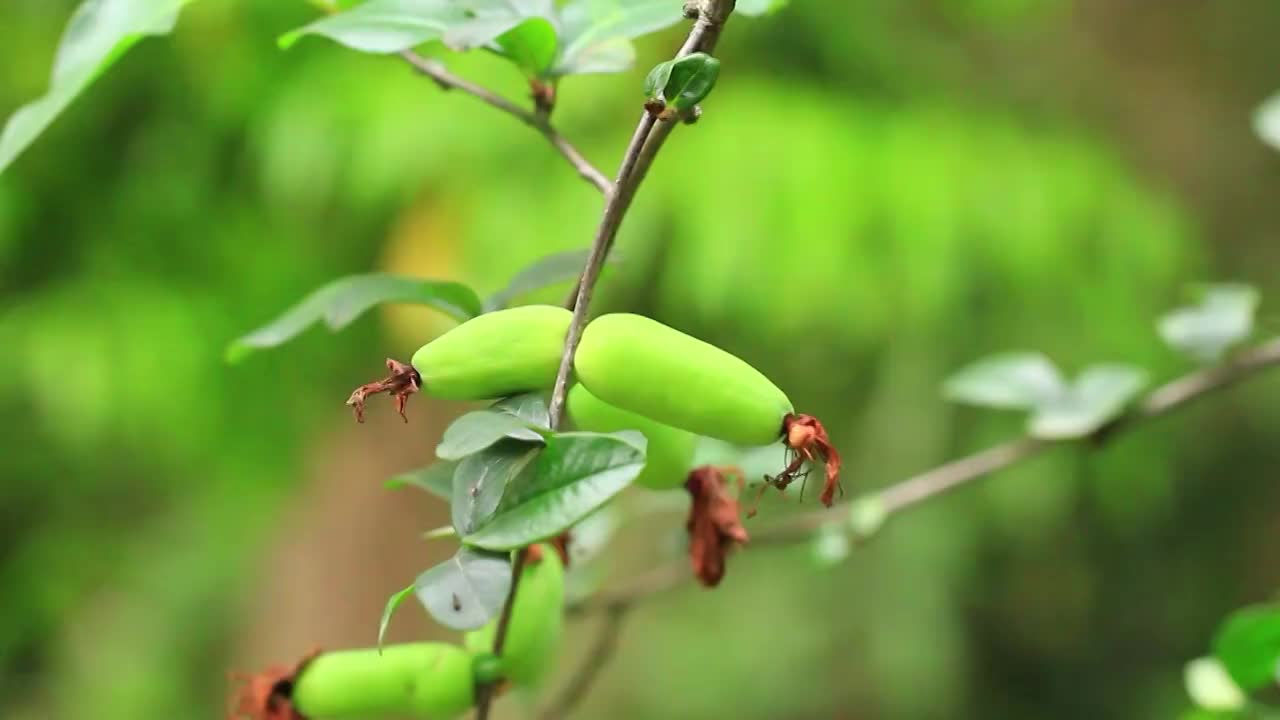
[831, 545]
[446, 531]
[866, 516]
[393, 602]
[1211, 687]
[1223, 317]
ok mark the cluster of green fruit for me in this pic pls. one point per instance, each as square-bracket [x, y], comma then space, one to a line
[633, 373]
[429, 681]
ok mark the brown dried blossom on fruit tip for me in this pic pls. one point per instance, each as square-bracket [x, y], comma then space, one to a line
[713, 525]
[266, 695]
[401, 383]
[807, 438]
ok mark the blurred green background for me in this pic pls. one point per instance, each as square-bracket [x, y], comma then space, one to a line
[880, 192]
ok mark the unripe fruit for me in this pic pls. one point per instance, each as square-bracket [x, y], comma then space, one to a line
[669, 453]
[641, 365]
[431, 681]
[496, 354]
[537, 622]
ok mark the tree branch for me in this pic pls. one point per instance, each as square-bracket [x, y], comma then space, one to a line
[606, 644]
[711, 15]
[538, 121]
[933, 483]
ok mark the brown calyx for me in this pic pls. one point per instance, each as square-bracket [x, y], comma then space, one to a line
[267, 695]
[713, 525]
[807, 440]
[401, 383]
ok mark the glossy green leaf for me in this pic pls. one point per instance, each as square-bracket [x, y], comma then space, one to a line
[467, 590]
[342, 301]
[656, 81]
[1210, 686]
[573, 476]
[542, 273]
[1248, 644]
[482, 478]
[480, 429]
[531, 45]
[1266, 121]
[99, 32]
[1223, 317]
[384, 26]
[596, 33]
[692, 78]
[1100, 394]
[393, 602]
[1016, 381]
[436, 478]
[530, 407]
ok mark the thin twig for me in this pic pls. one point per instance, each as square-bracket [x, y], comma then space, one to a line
[957, 473]
[537, 120]
[710, 18]
[606, 644]
[484, 693]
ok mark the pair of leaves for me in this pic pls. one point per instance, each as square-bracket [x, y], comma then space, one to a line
[1246, 658]
[463, 593]
[340, 302]
[99, 32]
[542, 39]
[683, 82]
[1057, 410]
[1223, 317]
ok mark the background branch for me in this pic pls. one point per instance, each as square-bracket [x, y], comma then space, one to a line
[538, 121]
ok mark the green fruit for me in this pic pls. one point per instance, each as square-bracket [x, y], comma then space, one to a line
[431, 681]
[670, 450]
[641, 365]
[537, 623]
[496, 354]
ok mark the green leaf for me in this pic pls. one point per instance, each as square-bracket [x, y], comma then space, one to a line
[1211, 687]
[866, 516]
[691, 79]
[1015, 381]
[531, 45]
[384, 26]
[99, 32]
[573, 476]
[831, 545]
[544, 272]
[1248, 644]
[343, 300]
[467, 590]
[482, 478]
[656, 81]
[436, 478]
[758, 7]
[1098, 396]
[595, 33]
[1223, 317]
[393, 602]
[480, 429]
[1266, 121]
[530, 407]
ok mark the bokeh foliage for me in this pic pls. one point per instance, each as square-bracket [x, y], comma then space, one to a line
[871, 201]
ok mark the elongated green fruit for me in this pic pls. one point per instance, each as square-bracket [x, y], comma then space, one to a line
[496, 354]
[669, 454]
[537, 623]
[429, 681]
[641, 365]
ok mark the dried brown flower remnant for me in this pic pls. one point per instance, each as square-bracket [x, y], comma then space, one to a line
[713, 523]
[403, 382]
[807, 441]
[561, 544]
[266, 695]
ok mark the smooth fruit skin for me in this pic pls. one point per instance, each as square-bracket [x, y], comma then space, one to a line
[429, 681]
[537, 623]
[496, 354]
[669, 454]
[641, 365]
